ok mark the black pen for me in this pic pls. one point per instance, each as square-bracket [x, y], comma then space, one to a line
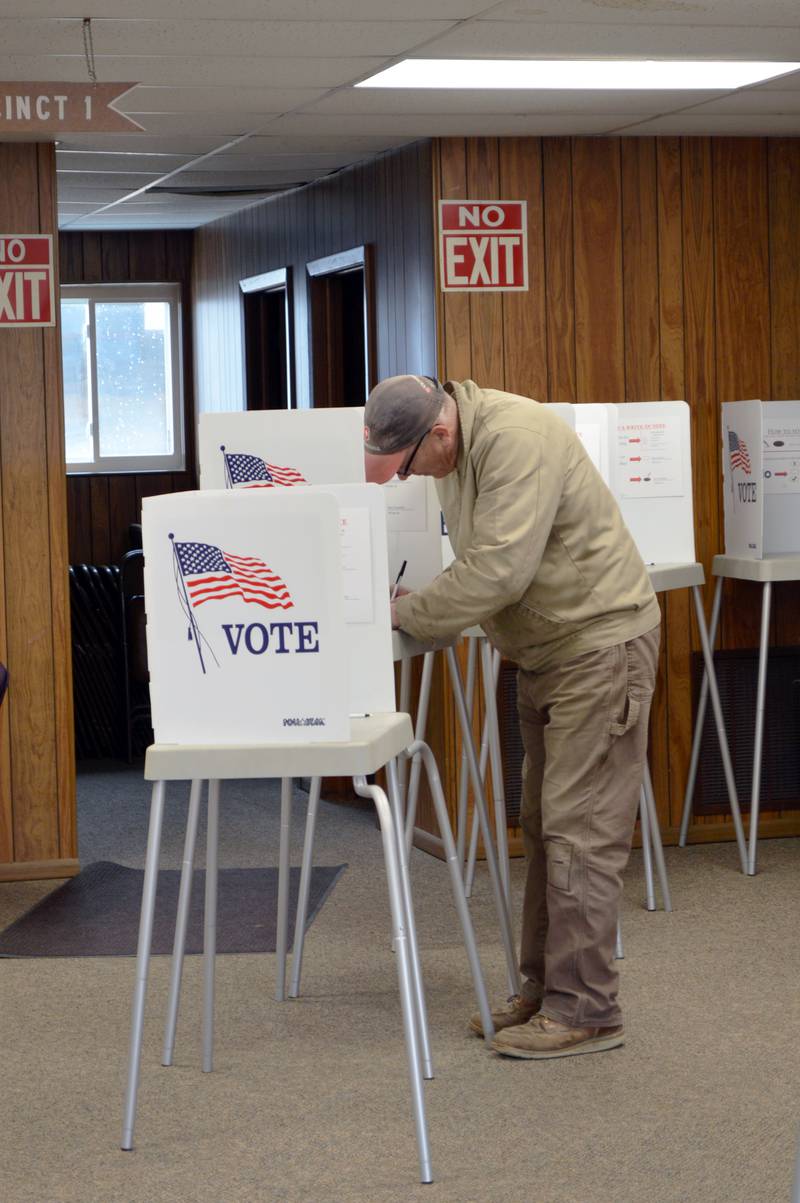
[398, 580]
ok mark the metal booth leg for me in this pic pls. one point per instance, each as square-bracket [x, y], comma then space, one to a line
[181, 922]
[755, 795]
[490, 677]
[716, 706]
[472, 858]
[454, 865]
[282, 942]
[619, 951]
[655, 837]
[463, 777]
[315, 788]
[415, 970]
[143, 960]
[501, 905]
[391, 854]
[701, 714]
[647, 852]
[210, 925]
[419, 733]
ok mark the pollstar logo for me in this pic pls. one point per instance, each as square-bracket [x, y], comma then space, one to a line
[205, 573]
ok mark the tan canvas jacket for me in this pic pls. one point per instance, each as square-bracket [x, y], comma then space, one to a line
[544, 562]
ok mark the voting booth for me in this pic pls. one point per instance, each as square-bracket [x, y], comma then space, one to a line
[654, 479]
[279, 448]
[243, 632]
[291, 448]
[761, 477]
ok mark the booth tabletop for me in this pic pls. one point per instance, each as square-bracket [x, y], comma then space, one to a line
[770, 568]
[664, 577]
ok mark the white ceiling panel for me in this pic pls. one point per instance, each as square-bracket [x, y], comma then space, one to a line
[278, 73]
[698, 125]
[261, 10]
[182, 144]
[457, 124]
[753, 104]
[261, 39]
[102, 161]
[266, 101]
[663, 12]
[509, 39]
[179, 71]
[120, 181]
[389, 101]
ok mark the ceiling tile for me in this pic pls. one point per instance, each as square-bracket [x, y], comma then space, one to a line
[392, 101]
[697, 125]
[206, 38]
[662, 12]
[455, 124]
[178, 70]
[508, 39]
[265, 101]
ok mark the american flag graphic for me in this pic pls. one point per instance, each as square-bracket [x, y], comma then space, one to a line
[210, 574]
[740, 456]
[246, 471]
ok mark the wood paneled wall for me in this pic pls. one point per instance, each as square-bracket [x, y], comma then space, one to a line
[37, 773]
[660, 268]
[101, 507]
[384, 203]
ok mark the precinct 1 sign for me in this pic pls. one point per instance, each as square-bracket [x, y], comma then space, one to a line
[483, 246]
[26, 280]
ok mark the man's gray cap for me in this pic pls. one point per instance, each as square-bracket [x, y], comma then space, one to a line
[399, 411]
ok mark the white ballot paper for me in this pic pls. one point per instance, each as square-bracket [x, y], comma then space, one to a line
[406, 504]
[781, 455]
[650, 462]
[356, 549]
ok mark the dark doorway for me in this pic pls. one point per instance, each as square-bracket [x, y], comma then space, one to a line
[268, 341]
[340, 301]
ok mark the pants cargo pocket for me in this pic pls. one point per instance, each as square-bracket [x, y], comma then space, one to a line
[631, 716]
[559, 864]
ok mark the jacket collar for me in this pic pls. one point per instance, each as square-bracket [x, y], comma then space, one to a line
[467, 397]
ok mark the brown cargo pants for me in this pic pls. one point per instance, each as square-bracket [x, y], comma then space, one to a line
[584, 730]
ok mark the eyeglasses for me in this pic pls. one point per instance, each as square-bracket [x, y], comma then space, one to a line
[406, 468]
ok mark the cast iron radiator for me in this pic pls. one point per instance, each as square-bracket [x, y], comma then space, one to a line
[737, 674]
[97, 661]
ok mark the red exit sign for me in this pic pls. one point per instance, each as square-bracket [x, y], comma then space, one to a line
[26, 280]
[483, 246]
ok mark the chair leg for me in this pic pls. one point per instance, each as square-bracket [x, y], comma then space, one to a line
[282, 942]
[413, 946]
[210, 924]
[390, 853]
[305, 885]
[181, 922]
[454, 865]
[143, 960]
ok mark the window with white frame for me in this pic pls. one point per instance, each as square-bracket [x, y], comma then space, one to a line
[123, 400]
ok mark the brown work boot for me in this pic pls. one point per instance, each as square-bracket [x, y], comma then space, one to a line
[542, 1037]
[517, 1010]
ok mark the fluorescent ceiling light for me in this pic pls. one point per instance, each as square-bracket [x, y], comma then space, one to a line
[592, 74]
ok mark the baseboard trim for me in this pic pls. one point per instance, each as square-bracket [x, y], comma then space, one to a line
[36, 870]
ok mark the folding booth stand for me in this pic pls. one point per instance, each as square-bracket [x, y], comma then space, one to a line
[761, 490]
[231, 578]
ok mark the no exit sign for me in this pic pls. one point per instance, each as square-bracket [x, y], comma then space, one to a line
[483, 246]
[26, 280]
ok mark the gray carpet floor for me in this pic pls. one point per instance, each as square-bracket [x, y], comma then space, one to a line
[309, 1099]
